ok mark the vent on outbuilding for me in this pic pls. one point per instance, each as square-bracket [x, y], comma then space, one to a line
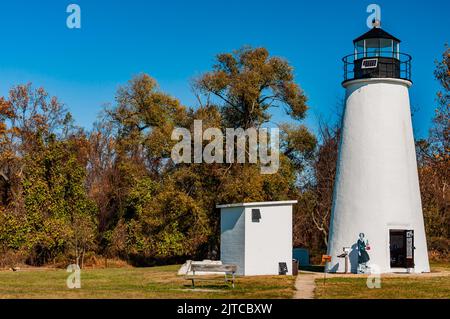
[282, 268]
[256, 215]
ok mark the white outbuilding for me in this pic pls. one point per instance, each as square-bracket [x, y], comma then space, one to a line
[257, 237]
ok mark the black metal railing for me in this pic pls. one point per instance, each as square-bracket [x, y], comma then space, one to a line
[389, 65]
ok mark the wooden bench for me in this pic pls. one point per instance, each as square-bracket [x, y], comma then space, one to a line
[227, 269]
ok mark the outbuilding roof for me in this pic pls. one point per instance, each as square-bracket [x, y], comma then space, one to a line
[376, 33]
[254, 204]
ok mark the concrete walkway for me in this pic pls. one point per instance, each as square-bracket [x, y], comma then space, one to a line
[305, 285]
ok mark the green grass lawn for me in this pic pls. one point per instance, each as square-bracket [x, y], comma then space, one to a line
[391, 287]
[162, 282]
[155, 282]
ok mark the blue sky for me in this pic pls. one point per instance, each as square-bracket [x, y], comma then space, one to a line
[175, 41]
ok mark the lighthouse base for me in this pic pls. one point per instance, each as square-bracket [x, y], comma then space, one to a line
[377, 212]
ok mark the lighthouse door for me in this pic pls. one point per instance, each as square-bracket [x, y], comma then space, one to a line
[401, 244]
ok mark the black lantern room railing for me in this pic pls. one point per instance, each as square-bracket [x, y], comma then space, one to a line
[385, 64]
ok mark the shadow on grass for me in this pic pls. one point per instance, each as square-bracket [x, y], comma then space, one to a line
[209, 282]
[209, 286]
[313, 268]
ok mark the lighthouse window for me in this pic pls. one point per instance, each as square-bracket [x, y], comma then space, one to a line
[359, 49]
[372, 47]
[386, 48]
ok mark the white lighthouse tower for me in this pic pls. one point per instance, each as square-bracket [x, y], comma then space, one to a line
[377, 213]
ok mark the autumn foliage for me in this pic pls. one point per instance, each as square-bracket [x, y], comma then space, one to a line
[67, 193]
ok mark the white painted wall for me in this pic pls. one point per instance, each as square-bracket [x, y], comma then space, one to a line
[257, 247]
[268, 242]
[232, 238]
[376, 187]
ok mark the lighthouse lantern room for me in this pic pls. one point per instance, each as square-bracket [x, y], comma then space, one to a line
[377, 55]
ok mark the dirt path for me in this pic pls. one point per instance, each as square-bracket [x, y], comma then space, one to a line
[305, 285]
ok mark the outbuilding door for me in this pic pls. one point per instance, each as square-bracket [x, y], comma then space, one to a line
[401, 244]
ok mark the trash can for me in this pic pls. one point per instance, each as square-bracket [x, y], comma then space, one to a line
[294, 267]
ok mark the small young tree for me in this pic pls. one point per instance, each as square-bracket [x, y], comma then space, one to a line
[434, 164]
[316, 198]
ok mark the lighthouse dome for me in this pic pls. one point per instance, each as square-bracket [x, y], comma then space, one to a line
[376, 33]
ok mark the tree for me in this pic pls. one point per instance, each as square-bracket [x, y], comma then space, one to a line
[43, 169]
[434, 164]
[144, 119]
[102, 174]
[166, 210]
[312, 215]
[153, 219]
[27, 115]
[244, 87]
[116, 191]
[247, 83]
